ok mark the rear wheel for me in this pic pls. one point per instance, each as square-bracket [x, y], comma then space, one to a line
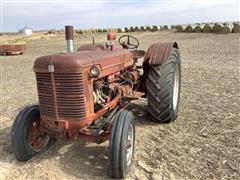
[26, 138]
[121, 147]
[163, 89]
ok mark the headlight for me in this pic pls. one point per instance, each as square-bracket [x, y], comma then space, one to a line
[94, 71]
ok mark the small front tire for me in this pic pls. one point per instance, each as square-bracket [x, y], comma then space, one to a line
[26, 138]
[122, 143]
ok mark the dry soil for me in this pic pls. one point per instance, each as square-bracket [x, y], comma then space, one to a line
[203, 143]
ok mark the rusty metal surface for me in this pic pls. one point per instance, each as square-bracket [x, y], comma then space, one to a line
[134, 75]
[61, 95]
[138, 53]
[35, 138]
[111, 36]
[92, 47]
[65, 88]
[98, 139]
[69, 32]
[12, 49]
[158, 53]
[66, 128]
[72, 62]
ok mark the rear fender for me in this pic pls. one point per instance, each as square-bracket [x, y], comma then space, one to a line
[156, 54]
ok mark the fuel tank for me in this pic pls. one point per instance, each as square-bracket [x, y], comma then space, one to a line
[107, 60]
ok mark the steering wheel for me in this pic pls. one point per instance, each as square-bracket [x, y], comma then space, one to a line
[128, 42]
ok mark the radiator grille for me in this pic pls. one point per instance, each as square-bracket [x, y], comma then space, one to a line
[62, 96]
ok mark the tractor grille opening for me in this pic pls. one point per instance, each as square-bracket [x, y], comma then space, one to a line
[61, 95]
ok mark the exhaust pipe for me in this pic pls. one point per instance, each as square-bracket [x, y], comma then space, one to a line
[69, 38]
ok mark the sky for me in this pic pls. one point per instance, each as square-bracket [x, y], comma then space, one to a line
[55, 14]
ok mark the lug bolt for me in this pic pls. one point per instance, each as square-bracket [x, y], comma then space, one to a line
[34, 124]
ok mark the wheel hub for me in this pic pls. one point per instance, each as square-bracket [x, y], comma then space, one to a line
[176, 88]
[36, 139]
[130, 145]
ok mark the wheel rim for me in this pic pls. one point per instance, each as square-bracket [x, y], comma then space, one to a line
[37, 140]
[176, 88]
[130, 145]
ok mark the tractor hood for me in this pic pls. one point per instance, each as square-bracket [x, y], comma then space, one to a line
[74, 61]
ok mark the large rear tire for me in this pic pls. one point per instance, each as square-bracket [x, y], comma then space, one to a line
[121, 147]
[163, 89]
[26, 138]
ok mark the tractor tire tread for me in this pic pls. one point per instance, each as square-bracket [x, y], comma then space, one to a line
[160, 84]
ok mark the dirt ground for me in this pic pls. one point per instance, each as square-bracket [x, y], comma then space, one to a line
[203, 143]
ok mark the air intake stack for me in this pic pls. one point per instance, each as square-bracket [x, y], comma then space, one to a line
[69, 38]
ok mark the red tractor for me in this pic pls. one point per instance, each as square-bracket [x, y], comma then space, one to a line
[84, 95]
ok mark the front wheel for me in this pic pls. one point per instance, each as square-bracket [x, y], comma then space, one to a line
[163, 89]
[26, 138]
[121, 147]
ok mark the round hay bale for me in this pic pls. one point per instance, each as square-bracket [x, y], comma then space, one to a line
[104, 30]
[114, 30]
[143, 28]
[127, 29]
[181, 28]
[85, 31]
[136, 29]
[149, 28]
[190, 28]
[228, 23]
[92, 31]
[100, 30]
[231, 24]
[227, 29]
[132, 29]
[236, 28]
[80, 31]
[208, 28]
[217, 28]
[198, 28]
[119, 30]
[155, 28]
[166, 27]
[89, 31]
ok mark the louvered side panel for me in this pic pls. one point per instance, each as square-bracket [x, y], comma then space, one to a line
[70, 95]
